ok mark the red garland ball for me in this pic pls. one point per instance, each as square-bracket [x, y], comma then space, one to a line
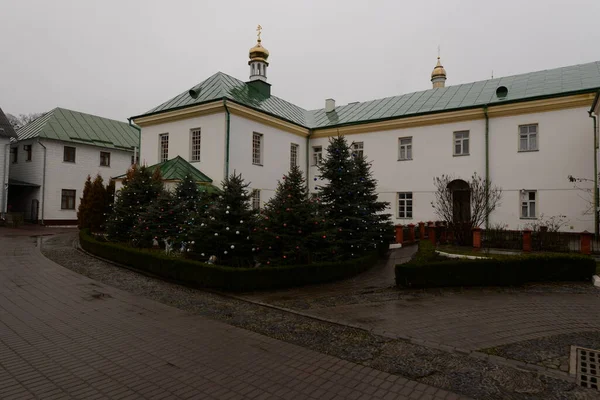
[324, 237]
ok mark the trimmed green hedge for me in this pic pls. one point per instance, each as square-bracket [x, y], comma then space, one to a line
[428, 269]
[200, 274]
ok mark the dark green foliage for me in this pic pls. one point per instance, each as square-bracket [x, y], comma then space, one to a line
[156, 222]
[349, 205]
[140, 187]
[428, 269]
[228, 232]
[83, 211]
[287, 224]
[199, 274]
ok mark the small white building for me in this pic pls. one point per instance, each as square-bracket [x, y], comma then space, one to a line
[527, 133]
[53, 155]
[6, 134]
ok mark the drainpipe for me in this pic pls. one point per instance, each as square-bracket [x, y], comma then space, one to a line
[227, 126]
[137, 160]
[5, 178]
[43, 183]
[591, 114]
[487, 166]
[310, 132]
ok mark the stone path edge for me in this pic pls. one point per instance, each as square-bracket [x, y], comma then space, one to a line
[501, 361]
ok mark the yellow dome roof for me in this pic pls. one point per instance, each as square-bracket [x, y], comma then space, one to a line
[259, 53]
[438, 71]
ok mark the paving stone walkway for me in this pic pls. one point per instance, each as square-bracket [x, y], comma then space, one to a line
[63, 335]
[467, 319]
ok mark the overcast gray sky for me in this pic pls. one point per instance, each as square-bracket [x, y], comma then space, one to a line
[118, 58]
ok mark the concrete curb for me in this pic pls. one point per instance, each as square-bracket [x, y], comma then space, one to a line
[497, 360]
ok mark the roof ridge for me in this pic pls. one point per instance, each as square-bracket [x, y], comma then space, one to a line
[91, 115]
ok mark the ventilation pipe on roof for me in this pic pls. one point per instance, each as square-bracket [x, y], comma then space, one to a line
[194, 92]
[329, 105]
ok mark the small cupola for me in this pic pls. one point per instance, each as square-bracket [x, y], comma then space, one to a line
[438, 76]
[258, 60]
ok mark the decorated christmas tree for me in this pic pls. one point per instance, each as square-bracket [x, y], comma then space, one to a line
[348, 202]
[83, 211]
[157, 222]
[228, 233]
[140, 187]
[287, 223]
[378, 228]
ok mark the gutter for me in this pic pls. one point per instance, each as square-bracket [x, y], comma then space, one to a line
[137, 161]
[487, 166]
[43, 183]
[5, 177]
[227, 136]
[596, 217]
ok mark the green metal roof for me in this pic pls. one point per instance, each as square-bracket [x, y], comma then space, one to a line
[582, 78]
[77, 127]
[6, 129]
[176, 169]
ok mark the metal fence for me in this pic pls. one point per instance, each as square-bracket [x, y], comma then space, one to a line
[502, 239]
[563, 242]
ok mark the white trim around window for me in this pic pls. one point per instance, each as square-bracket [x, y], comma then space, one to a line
[528, 204]
[405, 148]
[317, 157]
[256, 199]
[195, 144]
[358, 149]
[528, 137]
[257, 148]
[405, 205]
[460, 143]
[163, 147]
[294, 150]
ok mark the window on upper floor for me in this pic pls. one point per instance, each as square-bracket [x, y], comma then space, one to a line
[256, 199]
[528, 137]
[195, 138]
[27, 148]
[317, 155]
[14, 154]
[257, 149]
[67, 201]
[163, 148]
[461, 143]
[104, 159]
[405, 148]
[293, 155]
[405, 205]
[358, 149]
[528, 204]
[69, 154]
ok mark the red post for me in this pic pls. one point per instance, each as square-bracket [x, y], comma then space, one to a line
[399, 233]
[421, 230]
[527, 240]
[443, 229]
[586, 242]
[477, 238]
[411, 233]
[432, 233]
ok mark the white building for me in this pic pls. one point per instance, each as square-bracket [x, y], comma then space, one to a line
[527, 133]
[6, 134]
[54, 154]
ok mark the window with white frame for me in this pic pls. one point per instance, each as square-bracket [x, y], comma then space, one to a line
[256, 199]
[528, 137]
[405, 205]
[461, 143]
[358, 149]
[67, 201]
[195, 137]
[163, 151]
[257, 149]
[405, 148]
[528, 204]
[293, 155]
[104, 159]
[317, 155]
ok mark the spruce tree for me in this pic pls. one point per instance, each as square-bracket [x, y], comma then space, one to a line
[287, 222]
[378, 228]
[140, 187]
[97, 205]
[83, 211]
[156, 222]
[229, 230]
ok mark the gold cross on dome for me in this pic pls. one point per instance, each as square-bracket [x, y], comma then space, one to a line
[258, 29]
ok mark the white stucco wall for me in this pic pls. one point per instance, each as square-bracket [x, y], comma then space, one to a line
[565, 148]
[212, 150]
[64, 175]
[4, 168]
[276, 154]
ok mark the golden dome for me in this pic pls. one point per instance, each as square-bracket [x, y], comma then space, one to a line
[258, 53]
[438, 71]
